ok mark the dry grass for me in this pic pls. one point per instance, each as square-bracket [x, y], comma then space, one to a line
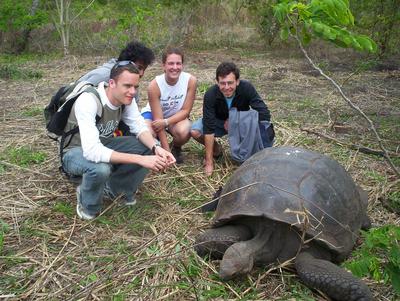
[145, 253]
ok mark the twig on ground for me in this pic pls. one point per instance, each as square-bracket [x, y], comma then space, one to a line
[43, 277]
[23, 168]
[143, 246]
[360, 148]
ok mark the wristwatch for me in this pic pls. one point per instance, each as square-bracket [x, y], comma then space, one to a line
[153, 149]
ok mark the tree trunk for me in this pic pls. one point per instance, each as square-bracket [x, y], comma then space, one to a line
[23, 42]
[63, 26]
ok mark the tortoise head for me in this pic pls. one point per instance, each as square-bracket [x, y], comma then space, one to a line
[238, 260]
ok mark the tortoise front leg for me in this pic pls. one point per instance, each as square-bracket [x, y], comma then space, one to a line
[331, 279]
[215, 241]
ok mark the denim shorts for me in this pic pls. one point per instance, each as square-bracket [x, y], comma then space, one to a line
[219, 127]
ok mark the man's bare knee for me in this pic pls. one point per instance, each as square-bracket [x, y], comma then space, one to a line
[195, 134]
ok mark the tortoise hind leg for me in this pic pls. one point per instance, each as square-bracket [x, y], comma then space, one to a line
[331, 279]
[215, 241]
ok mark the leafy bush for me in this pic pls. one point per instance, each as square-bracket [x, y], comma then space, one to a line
[17, 20]
[14, 15]
[381, 20]
[266, 23]
[13, 72]
[327, 20]
[379, 256]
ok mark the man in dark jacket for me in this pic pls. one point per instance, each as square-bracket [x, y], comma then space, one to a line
[228, 92]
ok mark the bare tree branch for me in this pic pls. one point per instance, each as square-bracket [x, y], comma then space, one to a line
[78, 14]
[352, 105]
[63, 26]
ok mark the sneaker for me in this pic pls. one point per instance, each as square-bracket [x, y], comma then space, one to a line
[79, 208]
[107, 192]
[177, 152]
[130, 202]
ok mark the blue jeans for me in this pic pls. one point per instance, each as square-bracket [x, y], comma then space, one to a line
[120, 178]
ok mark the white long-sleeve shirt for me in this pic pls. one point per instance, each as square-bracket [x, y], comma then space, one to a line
[86, 109]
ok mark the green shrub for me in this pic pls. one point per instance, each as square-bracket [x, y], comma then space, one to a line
[381, 20]
[379, 256]
[13, 72]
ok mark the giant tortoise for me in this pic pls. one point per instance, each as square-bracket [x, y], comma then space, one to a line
[290, 203]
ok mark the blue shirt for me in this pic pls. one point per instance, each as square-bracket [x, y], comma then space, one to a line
[229, 101]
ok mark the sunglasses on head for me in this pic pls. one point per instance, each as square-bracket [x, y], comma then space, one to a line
[124, 63]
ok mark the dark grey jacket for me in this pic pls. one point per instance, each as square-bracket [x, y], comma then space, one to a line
[100, 74]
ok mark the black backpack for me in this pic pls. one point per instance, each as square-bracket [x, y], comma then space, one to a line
[56, 113]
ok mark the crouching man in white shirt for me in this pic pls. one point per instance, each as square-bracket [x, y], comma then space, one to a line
[110, 165]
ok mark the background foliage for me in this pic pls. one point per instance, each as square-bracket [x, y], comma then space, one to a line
[379, 256]
[106, 25]
[380, 20]
[326, 20]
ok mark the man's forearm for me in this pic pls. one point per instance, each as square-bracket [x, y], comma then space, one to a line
[147, 139]
[124, 158]
[162, 136]
[179, 116]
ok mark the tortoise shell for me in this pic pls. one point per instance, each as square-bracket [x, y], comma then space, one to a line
[303, 188]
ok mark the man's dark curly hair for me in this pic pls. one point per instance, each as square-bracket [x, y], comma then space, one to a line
[226, 68]
[136, 52]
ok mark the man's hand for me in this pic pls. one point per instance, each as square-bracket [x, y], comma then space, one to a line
[208, 167]
[226, 125]
[170, 159]
[158, 125]
[155, 163]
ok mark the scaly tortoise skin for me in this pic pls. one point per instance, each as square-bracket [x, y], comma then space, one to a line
[274, 198]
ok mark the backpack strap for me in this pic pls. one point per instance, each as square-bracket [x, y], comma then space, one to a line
[75, 130]
[100, 108]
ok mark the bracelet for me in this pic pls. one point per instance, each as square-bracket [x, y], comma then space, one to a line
[166, 122]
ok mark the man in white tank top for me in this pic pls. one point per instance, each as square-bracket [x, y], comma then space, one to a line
[171, 96]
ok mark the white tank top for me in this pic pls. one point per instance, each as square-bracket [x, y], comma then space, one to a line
[172, 97]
